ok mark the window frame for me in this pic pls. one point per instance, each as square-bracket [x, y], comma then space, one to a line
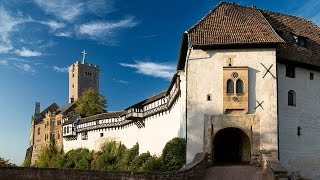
[230, 84]
[290, 71]
[292, 98]
[238, 82]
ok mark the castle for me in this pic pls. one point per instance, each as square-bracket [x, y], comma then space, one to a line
[247, 81]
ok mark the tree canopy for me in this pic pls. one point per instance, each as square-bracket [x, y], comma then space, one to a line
[91, 103]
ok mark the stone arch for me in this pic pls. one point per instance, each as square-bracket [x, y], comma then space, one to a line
[231, 145]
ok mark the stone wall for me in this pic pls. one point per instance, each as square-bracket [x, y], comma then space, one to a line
[195, 170]
[272, 168]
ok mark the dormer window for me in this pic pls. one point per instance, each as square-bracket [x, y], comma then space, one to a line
[301, 41]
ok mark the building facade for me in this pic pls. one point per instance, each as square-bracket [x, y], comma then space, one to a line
[246, 81]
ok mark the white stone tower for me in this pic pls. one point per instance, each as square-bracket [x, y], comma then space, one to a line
[81, 77]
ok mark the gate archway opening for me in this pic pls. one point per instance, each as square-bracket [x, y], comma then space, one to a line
[231, 146]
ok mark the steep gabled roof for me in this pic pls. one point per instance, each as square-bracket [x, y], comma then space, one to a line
[39, 117]
[287, 26]
[230, 23]
[235, 26]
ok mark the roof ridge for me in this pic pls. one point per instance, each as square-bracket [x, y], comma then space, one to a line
[280, 13]
[269, 24]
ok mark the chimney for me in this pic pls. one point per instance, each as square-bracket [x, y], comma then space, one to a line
[37, 108]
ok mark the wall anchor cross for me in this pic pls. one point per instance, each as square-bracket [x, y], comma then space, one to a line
[268, 70]
[259, 104]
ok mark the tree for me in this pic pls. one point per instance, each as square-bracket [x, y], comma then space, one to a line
[174, 154]
[90, 103]
[6, 163]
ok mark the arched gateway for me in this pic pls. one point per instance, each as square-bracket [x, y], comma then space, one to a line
[231, 145]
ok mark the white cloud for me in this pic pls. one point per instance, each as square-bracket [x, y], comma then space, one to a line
[24, 67]
[152, 69]
[4, 63]
[54, 25]
[63, 9]
[63, 34]
[103, 30]
[27, 53]
[310, 10]
[60, 69]
[120, 81]
[7, 25]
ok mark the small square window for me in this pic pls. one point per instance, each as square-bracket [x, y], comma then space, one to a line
[290, 71]
[101, 134]
[311, 76]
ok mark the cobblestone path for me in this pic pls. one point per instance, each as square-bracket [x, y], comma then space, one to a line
[234, 172]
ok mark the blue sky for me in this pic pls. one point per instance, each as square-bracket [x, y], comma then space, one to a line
[135, 43]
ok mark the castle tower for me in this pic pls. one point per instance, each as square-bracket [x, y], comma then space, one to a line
[81, 77]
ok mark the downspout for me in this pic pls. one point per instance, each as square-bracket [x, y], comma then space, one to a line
[187, 62]
[278, 131]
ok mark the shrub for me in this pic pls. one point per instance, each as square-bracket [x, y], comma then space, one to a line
[174, 154]
[152, 164]
[138, 161]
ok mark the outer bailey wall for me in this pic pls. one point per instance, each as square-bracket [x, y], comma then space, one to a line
[205, 76]
[300, 153]
[158, 130]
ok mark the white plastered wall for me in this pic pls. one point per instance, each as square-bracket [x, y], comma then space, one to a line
[205, 76]
[158, 130]
[300, 153]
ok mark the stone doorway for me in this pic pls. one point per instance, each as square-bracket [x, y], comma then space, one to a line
[231, 146]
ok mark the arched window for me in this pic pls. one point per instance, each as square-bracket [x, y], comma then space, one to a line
[291, 98]
[230, 86]
[38, 131]
[209, 97]
[239, 86]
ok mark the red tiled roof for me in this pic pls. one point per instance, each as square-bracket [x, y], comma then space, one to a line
[229, 23]
[287, 26]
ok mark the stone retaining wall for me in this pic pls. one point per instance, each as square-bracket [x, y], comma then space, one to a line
[195, 170]
[272, 168]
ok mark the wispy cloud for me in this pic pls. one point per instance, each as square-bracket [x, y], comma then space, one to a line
[27, 53]
[63, 9]
[120, 81]
[64, 34]
[148, 36]
[8, 24]
[164, 71]
[310, 10]
[60, 69]
[54, 25]
[103, 30]
[4, 63]
[25, 67]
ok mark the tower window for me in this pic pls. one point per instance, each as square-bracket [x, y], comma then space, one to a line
[291, 98]
[230, 88]
[290, 71]
[239, 86]
[38, 131]
[101, 134]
